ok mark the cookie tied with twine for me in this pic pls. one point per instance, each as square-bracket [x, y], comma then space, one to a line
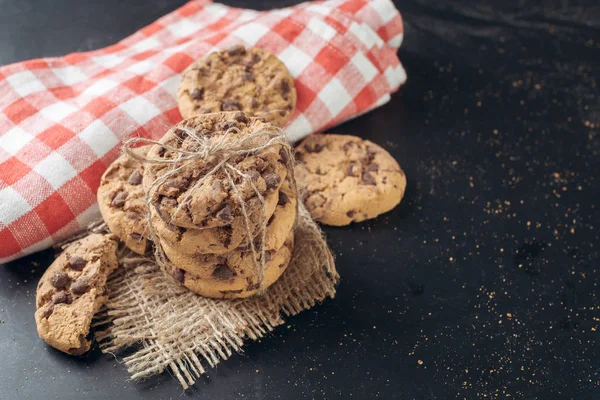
[213, 172]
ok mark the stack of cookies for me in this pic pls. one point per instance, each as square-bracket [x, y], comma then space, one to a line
[214, 225]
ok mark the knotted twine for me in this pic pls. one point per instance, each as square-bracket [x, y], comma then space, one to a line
[169, 326]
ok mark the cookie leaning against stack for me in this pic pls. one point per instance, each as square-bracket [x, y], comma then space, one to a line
[206, 219]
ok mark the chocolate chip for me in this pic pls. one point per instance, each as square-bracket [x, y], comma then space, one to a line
[206, 110]
[222, 272]
[236, 50]
[283, 199]
[226, 125]
[272, 180]
[284, 156]
[81, 285]
[350, 213]
[282, 113]
[77, 263]
[248, 76]
[224, 214]
[241, 117]
[254, 175]
[314, 148]
[179, 275]
[255, 60]
[368, 179]
[62, 297]
[135, 178]
[136, 236]
[77, 351]
[168, 202]
[371, 153]
[347, 146]
[267, 257]
[254, 103]
[352, 169]
[252, 286]
[161, 151]
[133, 215]
[374, 167]
[60, 280]
[47, 311]
[119, 199]
[230, 105]
[228, 232]
[285, 86]
[197, 94]
[231, 291]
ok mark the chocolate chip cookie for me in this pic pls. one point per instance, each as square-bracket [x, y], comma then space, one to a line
[183, 191]
[347, 179]
[218, 240]
[225, 284]
[72, 290]
[205, 265]
[122, 201]
[250, 80]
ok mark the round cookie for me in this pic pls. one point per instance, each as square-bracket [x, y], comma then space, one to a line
[122, 201]
[347, 179]
[190, 199]
[72, 290]
[235, 262]
[218, 240]
[227, 286]
[250, 80]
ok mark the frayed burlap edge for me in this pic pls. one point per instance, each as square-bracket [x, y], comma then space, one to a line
[172, 328]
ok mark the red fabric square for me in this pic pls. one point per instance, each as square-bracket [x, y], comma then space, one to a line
[338, 26]
[352, 6]
[305, 96]
[173, 115]
[75, 58]
[366, 98]
[216, 38]
[91, 175]
[178, 62]
[35, 64]
[13, 170]
[331, 59]
[144, 55]
[220, 24]
[139, 84]
[10, 246]
[56, 136]
[99, 106]
[151, 29]
[63, 92]
[76, 187]
[288, 29]
[54, 212]
[19, 111]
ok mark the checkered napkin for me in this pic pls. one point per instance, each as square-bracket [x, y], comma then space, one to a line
[62, 119]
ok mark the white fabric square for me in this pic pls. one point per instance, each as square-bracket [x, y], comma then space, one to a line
[58, 111]
[251, 33]
[395, 76]
[25, 83]
[321, 29]
[335, 97]
[295, 60]
[70, 75]
[385, 9]
[108, 60]
[182, 28]
[12, 205]
[99, 137]
[319, 9]
[396, 41]
[216, 10]
[14, 140]
[146, 44]
[366, 67]
[140, 109]
[56, 170]
[99, 88]
[299, 127]
[363, 34]
[141, 67]
[172, 84]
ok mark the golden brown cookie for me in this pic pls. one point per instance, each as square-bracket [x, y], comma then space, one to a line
[218, 240]
[122, 201]
[182, 193]
[250, 80]
[347, 179]
[72, 290]
[225, 285]
[235, 262]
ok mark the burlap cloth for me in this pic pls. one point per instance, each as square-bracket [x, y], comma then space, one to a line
[170, 327]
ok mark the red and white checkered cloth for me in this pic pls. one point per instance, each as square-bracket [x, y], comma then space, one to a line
[62, 119]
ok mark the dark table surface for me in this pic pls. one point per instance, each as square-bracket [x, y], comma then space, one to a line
[483, 282]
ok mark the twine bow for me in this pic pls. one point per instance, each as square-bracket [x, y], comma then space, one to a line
[222, 149]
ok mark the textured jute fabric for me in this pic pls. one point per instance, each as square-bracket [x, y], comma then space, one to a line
[170, 327]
